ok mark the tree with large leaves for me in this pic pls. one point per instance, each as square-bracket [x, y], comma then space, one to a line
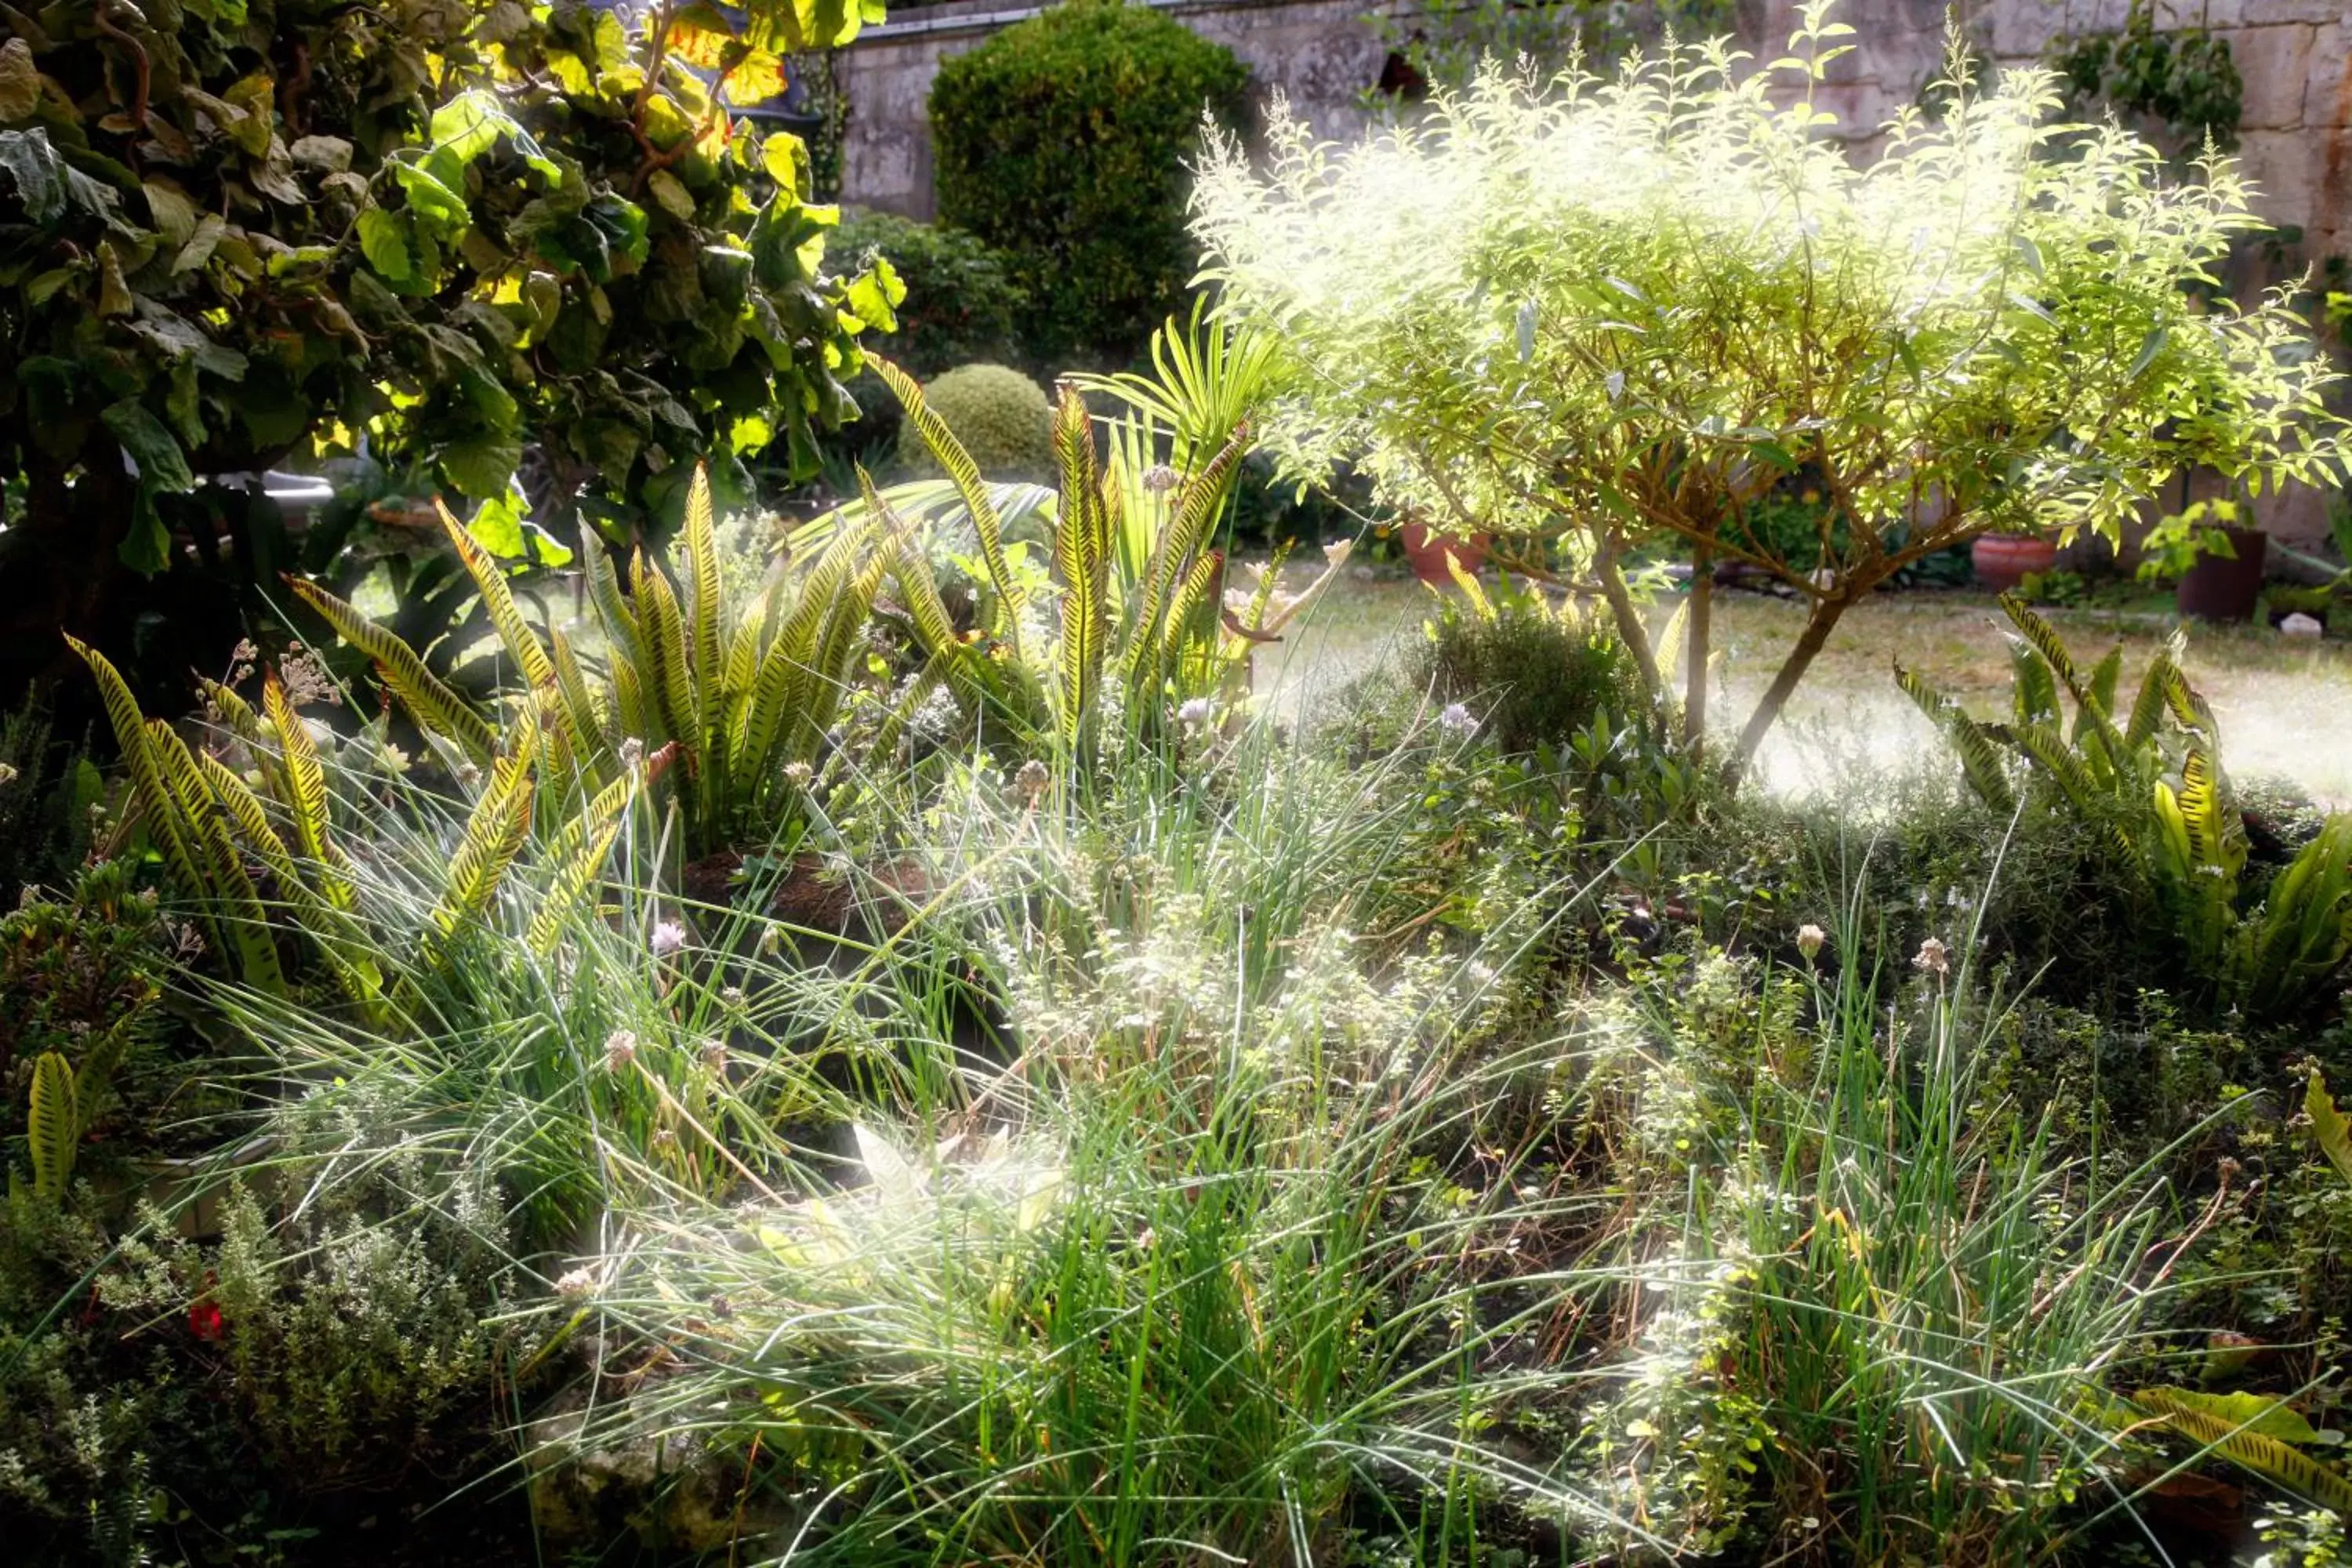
[236, 230]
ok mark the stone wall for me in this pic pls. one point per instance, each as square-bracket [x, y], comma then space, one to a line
[2295, 135]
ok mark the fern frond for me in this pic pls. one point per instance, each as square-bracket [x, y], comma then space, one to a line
[590, 738]
[1980, 763]
[2328, 1125]
[2104, 675]
[168, 826]
[2047, 747]
[951, 457]
[305, 792]
[522, 644]
[1173, 553]
[493, 836]
[52, 1126]
[2257, 1452]
[705, 607]
[237, 907]
[574, 878]
[2148, 707]
[2034, 690]
[672, 679]
[429, 701]
[1081, 558]
[336, 934]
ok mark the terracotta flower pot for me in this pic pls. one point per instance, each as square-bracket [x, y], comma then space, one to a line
[2225, 588]
[1427, 551]
[2002, 561]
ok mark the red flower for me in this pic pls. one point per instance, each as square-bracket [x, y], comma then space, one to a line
[204, 1315]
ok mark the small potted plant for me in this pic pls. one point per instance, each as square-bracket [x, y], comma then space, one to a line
[2004, 561]
[1426, 549]
[2218, 562]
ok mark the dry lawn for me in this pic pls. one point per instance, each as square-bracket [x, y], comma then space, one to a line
[2285, 705]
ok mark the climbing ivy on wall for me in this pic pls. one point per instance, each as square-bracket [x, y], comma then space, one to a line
[2184, 78]
[1440, 43]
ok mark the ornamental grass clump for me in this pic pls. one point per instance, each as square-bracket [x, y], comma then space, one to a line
[1615, 312]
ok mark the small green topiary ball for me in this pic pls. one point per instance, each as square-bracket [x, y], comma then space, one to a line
[1001, 416]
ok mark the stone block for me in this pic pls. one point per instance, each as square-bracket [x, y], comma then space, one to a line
[2327, 82]
[2286, 168]
[2274, 62]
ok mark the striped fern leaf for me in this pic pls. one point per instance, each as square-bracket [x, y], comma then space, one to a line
[52, 1126]
[168, 826]
[428, 699]
[493, 836]
[522, 644]
[986, 522]
[2250, 1451]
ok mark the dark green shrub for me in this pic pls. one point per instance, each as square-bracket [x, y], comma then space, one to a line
[1001, 416]
[1062, 141]
[1531, 677]
[961, 304]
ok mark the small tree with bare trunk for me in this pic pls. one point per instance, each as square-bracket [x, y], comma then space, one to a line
[1615, 312]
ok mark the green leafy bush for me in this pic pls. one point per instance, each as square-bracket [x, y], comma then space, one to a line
[1533, 675]
[962, 305]
[999, 415]
[1063, 141]
[455, 230]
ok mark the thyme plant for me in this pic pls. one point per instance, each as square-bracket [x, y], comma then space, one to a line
[1614, 312]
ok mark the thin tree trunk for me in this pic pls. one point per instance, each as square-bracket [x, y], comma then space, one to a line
[1695, 653]
[1784, 682]
[1630, 626]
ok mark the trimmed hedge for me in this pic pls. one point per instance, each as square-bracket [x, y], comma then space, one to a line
[1002, 417]
[1062, 141]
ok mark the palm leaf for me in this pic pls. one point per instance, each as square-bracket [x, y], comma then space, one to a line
[429, 701]
[53, 1125]
[987, 523]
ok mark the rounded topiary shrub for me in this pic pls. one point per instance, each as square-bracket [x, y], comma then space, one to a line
[963, 303]
[1063, 141]
[1001, 416]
